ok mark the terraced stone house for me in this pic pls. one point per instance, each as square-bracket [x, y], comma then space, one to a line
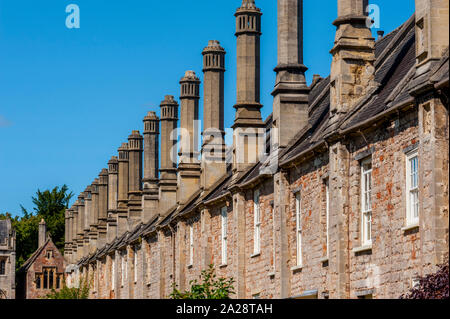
[342, 192]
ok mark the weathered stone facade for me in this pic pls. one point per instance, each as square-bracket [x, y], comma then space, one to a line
[341, 193]
[7, 260]
[43, 271]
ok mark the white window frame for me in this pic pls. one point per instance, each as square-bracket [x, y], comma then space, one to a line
[94, 274]
[113, 274]
[224, 235]
[366, 202]
[256, 223]
[135, 264]
[123, 270]
[191, 244]
[412, 189]
[298, 229]
[148, 263]
[327, 218]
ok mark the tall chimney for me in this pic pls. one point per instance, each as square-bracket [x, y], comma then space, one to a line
[80, 226]
[135, 178]
[42, 233]
[122, 203]
[74, 231]
[151, 166]
[66, 233]
[71, 233]
[87, 218]
[93, 216]
[102, 207]
[432, 32]
[168, 178]
[113, 169]
[290, 103]
[189, 166]
[248, 125]
[213, 163]
[352, 70]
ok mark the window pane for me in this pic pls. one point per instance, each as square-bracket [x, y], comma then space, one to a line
[416, 204]
[38, 281]
[45, 279]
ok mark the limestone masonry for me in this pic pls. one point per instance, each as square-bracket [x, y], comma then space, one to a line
[7, 260]
[342, 192]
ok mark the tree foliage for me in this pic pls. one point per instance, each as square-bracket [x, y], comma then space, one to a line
[79, 292]
[432, 286]
[209, 288]
[49, 205]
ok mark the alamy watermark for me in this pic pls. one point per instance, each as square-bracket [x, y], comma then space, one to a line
[374, 16]
[73, 19]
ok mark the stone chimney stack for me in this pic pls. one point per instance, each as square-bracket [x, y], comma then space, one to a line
[42, 233]
[290, 105]
[93, 215]
[122, 203]
[87, 217]
[168, 178]
[213, 165]
[94, 204]
[189, 166]
[66, 233]
[135, 178]
[248, 126]
[71, 236]
[432, 32]
[151, 166]
[102, 207]
[113, 169]
[80, 226]
[352, 69]
[74, 231]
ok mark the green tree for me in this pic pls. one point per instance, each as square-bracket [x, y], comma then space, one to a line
[209, 288]
[49, 205]
[79, 292]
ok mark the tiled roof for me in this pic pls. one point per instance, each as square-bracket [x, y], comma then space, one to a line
[220, 190]
[440, 72]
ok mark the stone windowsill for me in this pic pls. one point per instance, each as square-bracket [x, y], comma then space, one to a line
[362, 249]
[410, 227]
[223, 265]
[255, 255]
[323, 260]
[297, 268]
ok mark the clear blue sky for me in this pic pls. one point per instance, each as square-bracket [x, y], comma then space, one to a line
[70, 97]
